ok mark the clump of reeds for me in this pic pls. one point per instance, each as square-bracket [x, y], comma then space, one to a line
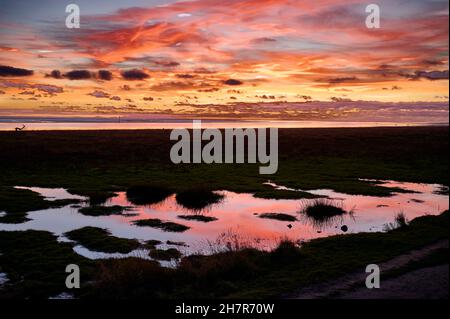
[147, 195]
[198, 199]
[323, 212]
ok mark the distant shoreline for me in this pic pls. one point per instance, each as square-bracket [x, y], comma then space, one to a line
[178, 124]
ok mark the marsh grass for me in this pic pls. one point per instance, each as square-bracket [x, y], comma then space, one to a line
[99, 197]
[35, 263]
[151, 244]
[278, 216]
[129, 278]
[198, 218]
[233, 240]
[327, 158]
[400, 222]
[323, 212]
[16, 203]
[251, 273]
[104, 210]
[147, 194]
[442, 190]
[177, 243]
[198, 199]
[98, 239]
[166, 255]
[163, 225]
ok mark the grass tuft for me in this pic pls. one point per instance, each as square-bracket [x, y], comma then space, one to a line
[279, 216]
[400, 222]
[103, 210]
[322, 208]
[198, 218]
[198, 199]
[147, 195]
[323, 212]
[158, 223]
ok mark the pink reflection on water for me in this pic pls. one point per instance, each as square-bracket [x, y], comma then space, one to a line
[238, 217]
[239, 214]
[236, 214]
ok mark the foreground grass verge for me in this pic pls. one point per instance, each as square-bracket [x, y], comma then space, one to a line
[35, 263]
[249, 273]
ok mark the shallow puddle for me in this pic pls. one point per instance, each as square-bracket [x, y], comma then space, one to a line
[238, 223]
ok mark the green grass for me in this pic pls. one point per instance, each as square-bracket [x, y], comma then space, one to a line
[98, 239]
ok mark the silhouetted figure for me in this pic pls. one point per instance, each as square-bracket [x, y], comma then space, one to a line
[18, 129]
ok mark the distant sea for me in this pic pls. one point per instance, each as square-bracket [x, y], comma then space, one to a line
[64, 123]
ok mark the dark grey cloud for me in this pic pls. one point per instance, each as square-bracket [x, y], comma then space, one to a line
[134, 74]
[233, 82]
[56, 74]
[105, 75]
[432, 75]
[12, 71]
[78, 75]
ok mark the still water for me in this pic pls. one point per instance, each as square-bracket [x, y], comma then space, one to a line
[238, 218]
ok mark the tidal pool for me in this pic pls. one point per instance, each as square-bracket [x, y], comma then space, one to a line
[237, 222]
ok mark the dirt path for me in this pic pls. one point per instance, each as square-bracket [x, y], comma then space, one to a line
[430, 282]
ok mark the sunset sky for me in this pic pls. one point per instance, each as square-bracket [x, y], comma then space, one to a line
[283, 59]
